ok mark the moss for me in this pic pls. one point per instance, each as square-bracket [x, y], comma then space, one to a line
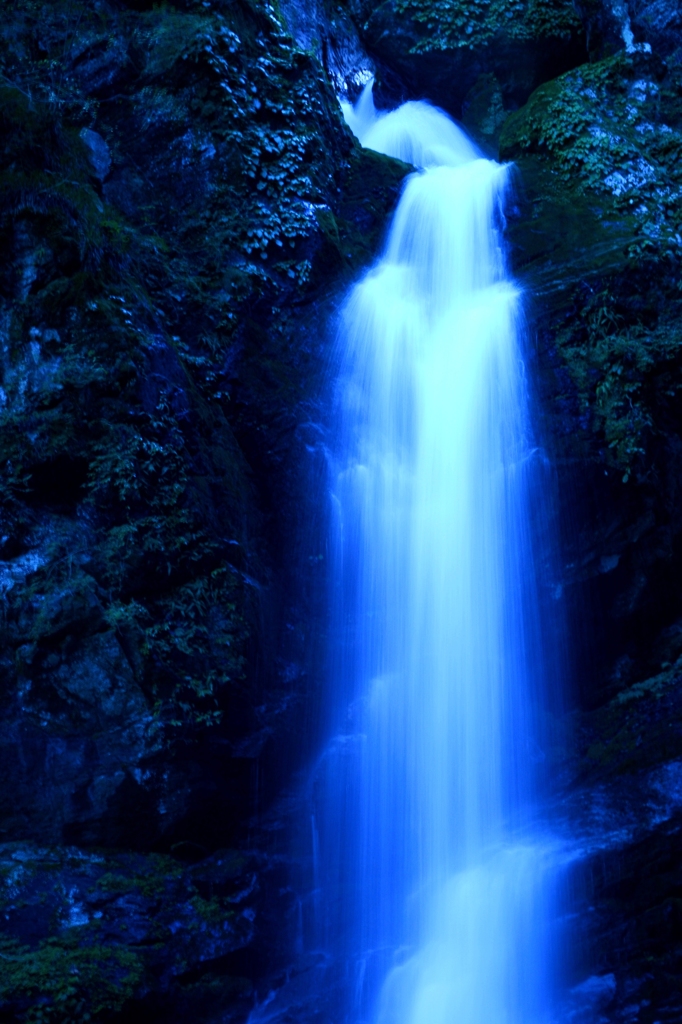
[472, 24]
[210, 912]
[627, 374]
[605, 131]
[372, 185]
[150, 876]
[63, 982]
[148, 318]
[559, 115]
[654, 687]
[100, 925]
[599, 148]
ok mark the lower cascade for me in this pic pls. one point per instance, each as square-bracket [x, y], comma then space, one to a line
[435, 887]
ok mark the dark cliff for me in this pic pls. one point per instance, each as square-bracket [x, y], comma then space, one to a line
[180, 206]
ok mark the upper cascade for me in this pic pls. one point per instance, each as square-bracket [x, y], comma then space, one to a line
[416, 132]
[448, 248]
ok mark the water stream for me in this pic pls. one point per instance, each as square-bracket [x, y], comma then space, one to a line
[435, 886]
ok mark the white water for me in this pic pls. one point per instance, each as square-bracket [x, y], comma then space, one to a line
[434, 887]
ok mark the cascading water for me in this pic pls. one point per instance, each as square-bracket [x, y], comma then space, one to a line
[427, 886]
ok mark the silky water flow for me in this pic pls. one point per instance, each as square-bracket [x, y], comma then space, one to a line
[432, 884]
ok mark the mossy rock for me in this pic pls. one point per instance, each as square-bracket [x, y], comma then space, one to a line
[85, 935]
[440, 49]
[597, 153]
[179, 194]
[595, 232]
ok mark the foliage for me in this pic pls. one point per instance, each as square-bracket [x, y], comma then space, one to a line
[627, 371]
[64, 982]
[143, 324]
[603, 128]
[100, 924]
[606, 140]
[471, 24]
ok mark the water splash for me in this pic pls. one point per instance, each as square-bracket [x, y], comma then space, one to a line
[430, 783]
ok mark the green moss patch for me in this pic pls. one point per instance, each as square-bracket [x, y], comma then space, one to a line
[460, 24]
[148, 310]
[84, 934]
[598, 150]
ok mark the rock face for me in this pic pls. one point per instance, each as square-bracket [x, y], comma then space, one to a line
[441, 48]
[89, 932]
[597, 238]
[178, 191]
[600, 244]
[181, 206]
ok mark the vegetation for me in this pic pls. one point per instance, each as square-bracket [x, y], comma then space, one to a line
[97, 925]
[63, 982]
[608, 138]
[147, 322]
[472, 24]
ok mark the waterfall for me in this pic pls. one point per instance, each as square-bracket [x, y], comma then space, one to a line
[436, 888]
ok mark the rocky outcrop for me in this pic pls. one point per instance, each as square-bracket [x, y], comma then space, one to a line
[180, 204]
[86, 933]
[597, 238]
[441, 51]
[599, 244]
[178, 194]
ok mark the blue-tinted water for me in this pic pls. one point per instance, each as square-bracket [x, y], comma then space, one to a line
[433, 885]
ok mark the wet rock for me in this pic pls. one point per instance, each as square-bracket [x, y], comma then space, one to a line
[591, 996]
[595, 241]
[483, 112]
[95, 933]
[659, 23]
[98, 153]
[632, 24]
[328, 29]
[440, 50]
[181, 205]
[99, 63]
[179, 201]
